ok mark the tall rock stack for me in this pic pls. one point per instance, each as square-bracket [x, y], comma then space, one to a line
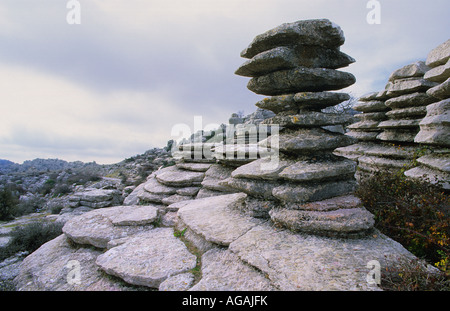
[435, 127]
[296, 64]
[408, 100]
[373, 111]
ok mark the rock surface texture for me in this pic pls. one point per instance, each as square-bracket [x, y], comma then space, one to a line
[306, 170]
[275, 214]
[407, 120]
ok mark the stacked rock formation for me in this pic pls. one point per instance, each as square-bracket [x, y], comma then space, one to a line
[417, 99]
[408, 100]
[296, 64]
[435, 127]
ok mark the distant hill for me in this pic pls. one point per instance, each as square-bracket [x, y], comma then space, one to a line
[5, 163]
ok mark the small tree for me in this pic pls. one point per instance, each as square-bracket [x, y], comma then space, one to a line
[7, 204]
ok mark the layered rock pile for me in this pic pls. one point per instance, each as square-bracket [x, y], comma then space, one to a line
[416, 101]
[296, 63]
[435, 127]
[231, 238]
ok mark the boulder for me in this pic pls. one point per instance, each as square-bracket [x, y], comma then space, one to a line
[53, 266]
[301, 79]
[441, 91]
[320, 32]
[439, 55]
[417, 69]
[215, 220]
[97, 228]
[148, 258]
[295, 262]
[224, 271]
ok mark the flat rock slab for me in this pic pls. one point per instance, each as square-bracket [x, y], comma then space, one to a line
[97, 227]
[320, 32]
[441, 91]
[409, 85]
[173, 176]
[302, 171]
[300, 79]
[311, 263]
[417, 69]
[224, 271]
[306, 141]
[430, 175]
[265, 168]
[215, 219]
[283, 57]
[370, 106]
[155, 187]
[439, 55]
[310, 192]
[148, 259]
[195, 167]
[53, 266]
[304, 100]
[410, 100]
[309, 119]
[344, 222]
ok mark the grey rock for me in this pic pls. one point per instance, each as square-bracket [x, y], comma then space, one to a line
[49, 268]
[215, 219]
[434, 128]
[398, 135]
[148, 259]
[440, 162]
[281, 58]
[400, 124]
[372, 116]
[224, 271]
[214, 175]
[188, 191]
[195, 167]
[306, 141]
[256, 188]
[353, 222]
[135, 216]
[303, 171]
[375, 164]
[309, 192]
[363, 136]
[96, 227]
[441, 91]
[370, 106]
[173, 176]
[417, 69]
[335, 203]
[430, 176]
[409, 85]
[439, 73]
[410, 100]
[306, 262]
[179, 282]
[320, 32]
[176, 198]
[155, 187]
[412, 112]
[265, 168]
[303, 100]
[366, 125]
[309, 119]
[300, 79]
[439, 55]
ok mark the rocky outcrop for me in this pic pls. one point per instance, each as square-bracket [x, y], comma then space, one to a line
[248, 213]
[416, 105]
[306, 170]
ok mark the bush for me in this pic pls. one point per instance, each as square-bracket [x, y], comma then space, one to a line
[30, 237]
[414, 213]
[7, 204]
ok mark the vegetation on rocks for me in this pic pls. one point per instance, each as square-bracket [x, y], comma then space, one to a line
[416, 214]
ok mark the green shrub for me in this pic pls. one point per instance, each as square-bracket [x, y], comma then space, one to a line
[7, 204]
[30, 237]
[414, 213]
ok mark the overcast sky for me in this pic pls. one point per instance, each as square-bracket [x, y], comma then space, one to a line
[115, 85]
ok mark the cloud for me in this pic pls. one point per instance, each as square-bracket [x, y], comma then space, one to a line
[116, 84]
